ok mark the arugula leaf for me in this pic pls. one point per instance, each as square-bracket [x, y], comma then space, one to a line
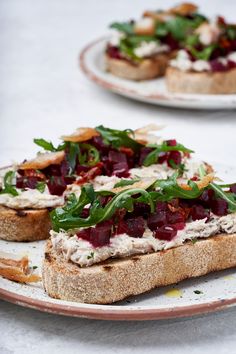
[68, 217]
[180, 27]
[152, 157]
[229, 197]
[169, 189]
[41, 186]
[125, 27]
[8, 184]
[74, 151]
[48, 145]
[203, 54]
[118, 138]
[126, 182]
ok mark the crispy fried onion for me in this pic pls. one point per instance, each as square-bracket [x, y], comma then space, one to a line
[144, 184]
[81, 134]
[184, 9]
[204, 182]
[16, 269]
[142, 134]
[43, 160]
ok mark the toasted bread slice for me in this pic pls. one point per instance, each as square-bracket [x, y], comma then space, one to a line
[117, 279]
[216, 83]
[145, 70]
[24, 225]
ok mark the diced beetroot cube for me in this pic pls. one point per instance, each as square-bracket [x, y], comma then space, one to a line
[161, 206]
[171, 142]
[207, 196]
[114, 52]
[144, 151]
[179, 225]
[219, 207]
[217, 66]
[56, 185]
[121, 169]
[166, 232]
[174, 217]
[100, 235]
[156, 220]
[198, 212]
[133, 227]
[117, 157]
[162, 157]
[141, 209]
[84, 234]
[175, 157]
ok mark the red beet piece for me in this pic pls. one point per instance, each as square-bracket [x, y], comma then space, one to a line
[133, 227]
[166, 233]
[100, 235]
[198, 212]
[173, 218]
[156, 220]
[171, 142]
[56, 185]
[174, 156]
[219, 207]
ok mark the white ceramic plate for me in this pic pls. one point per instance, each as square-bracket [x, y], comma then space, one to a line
[195, 296]
[150, 91]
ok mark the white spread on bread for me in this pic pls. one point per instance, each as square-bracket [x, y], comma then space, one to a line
[83, 253]
[116, 37]
[31, 198]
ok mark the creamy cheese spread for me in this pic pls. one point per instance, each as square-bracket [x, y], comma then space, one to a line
[83, 253]
[116, 37]
[31, 198]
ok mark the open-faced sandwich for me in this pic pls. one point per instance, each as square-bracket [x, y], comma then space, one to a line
[103, 156]
[140, 50]
[207, 64]
[108, 245]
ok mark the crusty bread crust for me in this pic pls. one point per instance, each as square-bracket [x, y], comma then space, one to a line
[145, 70]
[24, 225]
[117, 279]
[216, 83]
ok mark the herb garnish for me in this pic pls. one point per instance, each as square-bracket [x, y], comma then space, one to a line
[126, 182]
[152, 157]
[91, 255]
[48, 145]
[68, 217]
[198, 292]
[41, 186]
[8, 184]
[118, 138]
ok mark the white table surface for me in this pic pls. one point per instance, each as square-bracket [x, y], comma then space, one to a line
[43, 94]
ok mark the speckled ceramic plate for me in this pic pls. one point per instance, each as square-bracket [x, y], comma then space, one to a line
[150, 91]
[210, 293]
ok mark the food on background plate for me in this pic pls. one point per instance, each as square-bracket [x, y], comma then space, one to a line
[141, 50]
[207, 64]
[108, 245]
[103, 156]
[17, 268]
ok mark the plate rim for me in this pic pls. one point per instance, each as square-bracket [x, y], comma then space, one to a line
[116, 314]
[158, 98]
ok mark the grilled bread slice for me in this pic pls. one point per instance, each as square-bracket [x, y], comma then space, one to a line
[24, 225]
[178, 81]
[117, 279]
[147, 69]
